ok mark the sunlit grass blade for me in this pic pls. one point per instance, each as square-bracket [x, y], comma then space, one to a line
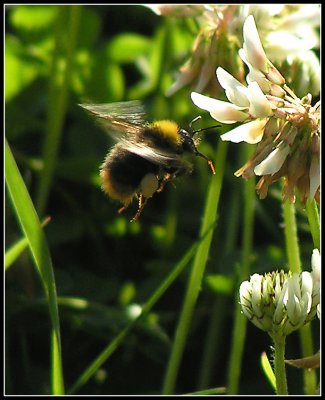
[314, 223]
[14, 251]
[34, 234]
[109, 350]
[267, 369]
[195, 281]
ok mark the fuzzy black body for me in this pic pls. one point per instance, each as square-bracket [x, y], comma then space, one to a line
[122, 173]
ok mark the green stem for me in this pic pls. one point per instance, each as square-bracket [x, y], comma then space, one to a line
[198, 268]
[291, 237]
[293, 254]
[313, 219]
[58, 98]
[240, 323]
[279, 365]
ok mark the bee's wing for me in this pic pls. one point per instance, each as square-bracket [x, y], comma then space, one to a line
[155, 155]
[125, 121]
[122, 118]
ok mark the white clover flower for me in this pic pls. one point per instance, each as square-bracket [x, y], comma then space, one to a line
[279, 302]
[251, 132]
[235, 91]
[260, 106]
[315, 265]
[274, 161]
[222, 111]
[286, 128]
[296, 31]
[288, 32]
[254, 55]
[177, 10]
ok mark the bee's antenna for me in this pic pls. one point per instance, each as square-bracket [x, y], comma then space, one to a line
[194, 120]
[201, 129]
[205, 129]
[210, 163]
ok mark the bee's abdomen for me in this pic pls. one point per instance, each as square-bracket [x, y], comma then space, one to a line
[122, 172]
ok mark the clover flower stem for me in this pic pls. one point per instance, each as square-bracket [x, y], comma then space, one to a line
[279, 365]
[291, 237]
[314, 223]
[293, 255]
[306, 343]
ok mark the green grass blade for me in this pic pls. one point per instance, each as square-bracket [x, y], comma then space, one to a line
[34, 234]
[267, 369]
[314, 223]
[195, 281]
[14, 251]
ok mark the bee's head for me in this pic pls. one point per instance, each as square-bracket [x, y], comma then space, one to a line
[190, 141]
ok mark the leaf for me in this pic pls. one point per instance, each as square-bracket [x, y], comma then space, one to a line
[306, 362]
[20, 71]
[127, 47]
[220, 284]
[107, 82]
[33, 18]
[267, 369]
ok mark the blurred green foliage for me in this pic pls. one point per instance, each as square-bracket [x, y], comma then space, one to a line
[122, 52]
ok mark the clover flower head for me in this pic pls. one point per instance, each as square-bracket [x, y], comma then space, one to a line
[278, 302]
[285, 127]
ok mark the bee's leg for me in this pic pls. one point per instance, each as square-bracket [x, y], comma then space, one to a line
[210, 163]
[168, 177]
[142, 203]
[122, 209]
[126, 203]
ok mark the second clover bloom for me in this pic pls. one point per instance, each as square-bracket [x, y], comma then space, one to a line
[285, 127]
[289, 33]
[278, 302]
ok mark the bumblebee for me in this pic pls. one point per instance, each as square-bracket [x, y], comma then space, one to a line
[146, 155]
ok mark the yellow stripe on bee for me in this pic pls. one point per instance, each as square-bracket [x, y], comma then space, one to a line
[114, 190]
[169, 129]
